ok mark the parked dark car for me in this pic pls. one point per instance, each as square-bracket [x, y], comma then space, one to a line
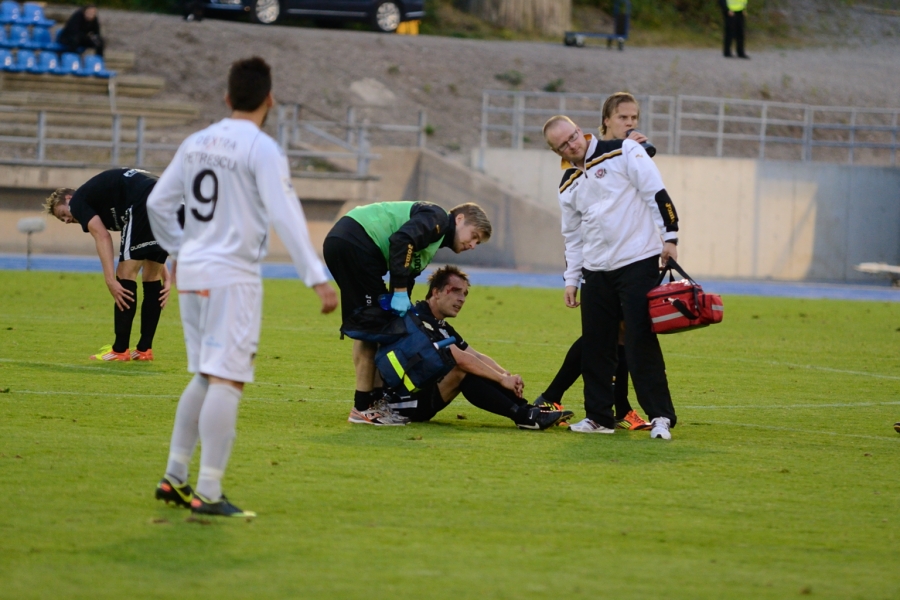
[384, 15]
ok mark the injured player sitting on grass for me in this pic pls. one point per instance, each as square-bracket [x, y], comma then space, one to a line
[481, 380]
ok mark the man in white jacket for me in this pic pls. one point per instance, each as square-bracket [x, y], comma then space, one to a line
[234, 181]
[618, 223]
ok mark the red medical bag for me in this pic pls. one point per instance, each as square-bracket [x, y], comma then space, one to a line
[681, 305]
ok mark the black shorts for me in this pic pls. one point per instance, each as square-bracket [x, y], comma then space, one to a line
[138, 242]
[419, 406]
[359, 272]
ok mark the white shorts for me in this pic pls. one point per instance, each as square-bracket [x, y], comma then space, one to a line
[221, 330]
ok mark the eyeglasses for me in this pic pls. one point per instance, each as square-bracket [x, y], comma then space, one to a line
[571, 139]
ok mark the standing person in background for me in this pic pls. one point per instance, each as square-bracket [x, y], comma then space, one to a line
[733, 11]
[618, 223]
[81, 31]
[235, 182]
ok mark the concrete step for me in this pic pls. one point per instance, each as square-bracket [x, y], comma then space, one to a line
[93, 110]
[135, 86]
[117, 60]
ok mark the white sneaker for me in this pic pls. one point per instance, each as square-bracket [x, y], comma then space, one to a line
[588, 426]
[660, 429]
[379, 414]
[388, 416]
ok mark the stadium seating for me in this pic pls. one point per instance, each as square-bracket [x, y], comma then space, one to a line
[25, 61]
[69, 64]
[6, 60]
[41, 39]
[47, 62]
[9, 12]
[93, 66]
[33, 14]
[18, 37]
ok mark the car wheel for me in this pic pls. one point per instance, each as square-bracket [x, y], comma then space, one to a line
[265, 12]
[386, 17]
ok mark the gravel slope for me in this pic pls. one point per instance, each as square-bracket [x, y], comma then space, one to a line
[446, 76]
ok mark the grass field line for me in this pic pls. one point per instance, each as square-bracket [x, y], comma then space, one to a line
[265, 399]
[776, 363]
[891, 439]
[757, 407]
[117, 395]
[100, 369]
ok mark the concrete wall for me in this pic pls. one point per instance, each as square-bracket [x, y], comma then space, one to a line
[525, 234]
[23, 190]
[754, 219]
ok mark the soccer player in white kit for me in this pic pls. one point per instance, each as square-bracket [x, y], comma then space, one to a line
[234, 181]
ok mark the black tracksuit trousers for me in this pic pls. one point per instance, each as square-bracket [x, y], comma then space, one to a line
[606, 298]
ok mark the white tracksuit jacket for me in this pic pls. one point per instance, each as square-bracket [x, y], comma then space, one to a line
[616, 211]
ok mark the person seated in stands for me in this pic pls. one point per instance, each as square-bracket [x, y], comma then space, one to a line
[82, 31]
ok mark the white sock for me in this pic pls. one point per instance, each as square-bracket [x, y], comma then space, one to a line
[217, 421]
[185, 432]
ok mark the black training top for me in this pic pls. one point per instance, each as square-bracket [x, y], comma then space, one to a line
[109, 195]
[440, 325]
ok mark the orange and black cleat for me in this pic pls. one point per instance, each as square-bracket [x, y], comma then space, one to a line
[145, 355]
[632, 422]
[168, 491]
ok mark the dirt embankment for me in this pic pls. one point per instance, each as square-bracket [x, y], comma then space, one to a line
[855, 62]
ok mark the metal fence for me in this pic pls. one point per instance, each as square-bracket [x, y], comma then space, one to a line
[55, 138]
[701, 126]
[46, 138]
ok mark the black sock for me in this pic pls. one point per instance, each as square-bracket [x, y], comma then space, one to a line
[620, 387]
[150, 311]
[122, 319]
[492, 397]
[567, 375]
[364, 400]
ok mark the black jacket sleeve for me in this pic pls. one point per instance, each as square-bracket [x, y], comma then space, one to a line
[427, 224]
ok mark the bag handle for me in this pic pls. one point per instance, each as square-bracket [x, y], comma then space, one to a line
[671, 265]
[683, 309]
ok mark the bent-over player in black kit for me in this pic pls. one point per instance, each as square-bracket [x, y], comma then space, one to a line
[481, 380]
[116, 200]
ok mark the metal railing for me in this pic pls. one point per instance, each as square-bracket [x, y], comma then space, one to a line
[701, 126]
[522, 116]
[350, 138]
[48, 137]
[115, 141]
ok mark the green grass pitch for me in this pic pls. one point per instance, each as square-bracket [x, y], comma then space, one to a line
[782, 480]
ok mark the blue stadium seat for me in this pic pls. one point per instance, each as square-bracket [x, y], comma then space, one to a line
[93, 65]
[25, 61]
[69, 64]
[9, 12]
[6, 60]
[41, 39]
[33, 14]
[18, 37]
[47, 62]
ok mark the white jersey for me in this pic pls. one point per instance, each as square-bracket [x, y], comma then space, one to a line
[612, 215]
[234, 181]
